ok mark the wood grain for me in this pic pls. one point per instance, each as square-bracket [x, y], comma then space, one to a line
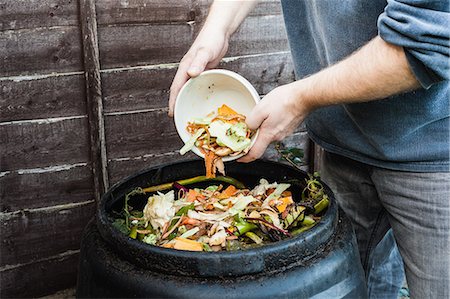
[53, 96]
[259, 34]
[131, 45]
[121, 168]
[43, 143]
[25, 190]
[41, 50]
[265, 72]
[94, 102]
[143, 133]
[40, 278]
[144, 11]
[48, 13]
[37, 13]
[122, 46]
[32, 235]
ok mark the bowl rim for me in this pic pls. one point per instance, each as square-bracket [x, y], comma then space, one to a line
[233, 75]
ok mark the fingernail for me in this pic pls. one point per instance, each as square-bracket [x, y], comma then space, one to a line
[194, 70]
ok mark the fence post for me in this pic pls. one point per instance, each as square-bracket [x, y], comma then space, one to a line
[94, 103]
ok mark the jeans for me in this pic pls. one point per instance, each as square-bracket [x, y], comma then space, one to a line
[417, 208]
[385, 273]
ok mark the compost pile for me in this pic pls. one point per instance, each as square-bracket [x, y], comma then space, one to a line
[218, 218]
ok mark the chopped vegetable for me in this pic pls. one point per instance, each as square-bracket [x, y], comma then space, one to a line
[222, 133]
[150, 239]
[224, 110]
[190, 232]
[186, 244]
[254, 237]
[159, 209]
[191, 142]
[217, 218]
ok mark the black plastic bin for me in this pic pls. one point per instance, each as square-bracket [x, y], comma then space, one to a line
[322, 262]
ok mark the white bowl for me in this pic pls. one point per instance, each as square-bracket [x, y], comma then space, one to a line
[206, 93]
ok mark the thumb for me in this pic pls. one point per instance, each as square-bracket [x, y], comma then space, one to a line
[256, 117]
[198, 64]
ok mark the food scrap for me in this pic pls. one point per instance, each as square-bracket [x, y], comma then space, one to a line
[219, 218]
[220, 134]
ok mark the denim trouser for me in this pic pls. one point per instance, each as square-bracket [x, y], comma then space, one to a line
[417, 208]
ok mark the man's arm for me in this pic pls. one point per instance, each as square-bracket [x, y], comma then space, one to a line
[211, 44]
[375, 71]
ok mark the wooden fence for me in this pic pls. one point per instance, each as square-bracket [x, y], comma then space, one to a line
[83, 102]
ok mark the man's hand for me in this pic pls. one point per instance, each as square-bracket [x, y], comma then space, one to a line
[205, 53]
[277, 115]
[211, 44]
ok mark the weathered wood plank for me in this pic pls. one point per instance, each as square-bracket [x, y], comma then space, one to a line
[122, 46]
[143, 44]
[30, 235]
[265, 72]
[121, 168]
[94, 100]
[48, 13]
[29, 190]
[261, 34]
[42, 143]
[40, 278]
[144, 11]
[166, 11]
[52, 96]
[138, 89]
[42, 50]
[37, 13]
[143, 133]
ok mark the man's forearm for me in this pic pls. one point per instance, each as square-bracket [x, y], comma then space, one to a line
[227, 15]
[376, 71]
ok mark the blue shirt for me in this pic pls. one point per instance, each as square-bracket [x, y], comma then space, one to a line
[409, 131]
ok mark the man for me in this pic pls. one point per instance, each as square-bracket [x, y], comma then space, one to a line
[373, 90]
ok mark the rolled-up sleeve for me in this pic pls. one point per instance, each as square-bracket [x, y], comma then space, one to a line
[422, 28]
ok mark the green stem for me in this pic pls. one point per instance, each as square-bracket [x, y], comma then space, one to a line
[254, 237]
[321, 205]
[133, 232]
[307, 221]
[244, 226]
[301, 229]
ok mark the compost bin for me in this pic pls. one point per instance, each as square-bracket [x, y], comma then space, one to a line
[322, 262]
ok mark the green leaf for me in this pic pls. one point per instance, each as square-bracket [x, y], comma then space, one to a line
[120, 225]
[293, 155]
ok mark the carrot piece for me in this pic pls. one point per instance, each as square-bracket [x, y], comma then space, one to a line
[229, 191]
[285, 202]
[168, 245]
[191, 221]
[209, 207]
[224, 110]
[286, 193]
[192, 195]
[209, 164]
[186, 244]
